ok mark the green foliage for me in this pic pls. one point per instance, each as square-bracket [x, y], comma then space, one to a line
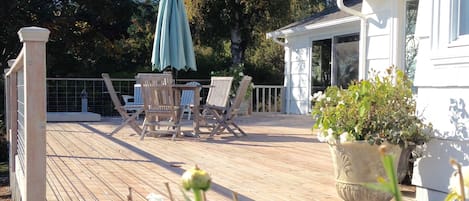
[91, 37]
[265, 61]
[389, 185]
[378, 110]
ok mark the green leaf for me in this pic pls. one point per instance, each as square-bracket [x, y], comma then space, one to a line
[452, 196]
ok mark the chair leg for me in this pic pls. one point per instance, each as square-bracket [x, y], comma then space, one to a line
[215, 130]
[237, 127]
[176, 132]
[189, 111]
[232, 131]
[129, 120]
[144, 129]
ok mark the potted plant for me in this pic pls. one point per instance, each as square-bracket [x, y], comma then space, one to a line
[353, 121]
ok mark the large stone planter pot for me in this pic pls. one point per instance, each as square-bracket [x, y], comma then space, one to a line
[356, 163]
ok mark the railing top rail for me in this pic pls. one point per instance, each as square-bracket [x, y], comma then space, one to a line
[17, 64]
[267, 86]
[121, 79]
[89, 79]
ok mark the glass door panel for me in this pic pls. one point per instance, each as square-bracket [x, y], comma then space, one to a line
[346, 59]
[321, 65]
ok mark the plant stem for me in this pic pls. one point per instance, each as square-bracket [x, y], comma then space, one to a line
[198, 195]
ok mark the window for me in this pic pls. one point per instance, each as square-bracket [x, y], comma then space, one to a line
[459, 22]
[449, 33]
[463, 17]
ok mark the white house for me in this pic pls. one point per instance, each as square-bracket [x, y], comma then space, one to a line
[322, 51]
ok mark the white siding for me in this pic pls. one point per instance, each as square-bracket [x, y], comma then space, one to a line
[385, 34]
[297, 76]
[297, 80]
[443, 92]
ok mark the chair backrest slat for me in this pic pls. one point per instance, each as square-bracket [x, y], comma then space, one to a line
[110, 89]
[219, 91]
[157, 91]
[187, 96]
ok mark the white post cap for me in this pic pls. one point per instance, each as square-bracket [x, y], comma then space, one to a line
[33, 34]
[11, 62]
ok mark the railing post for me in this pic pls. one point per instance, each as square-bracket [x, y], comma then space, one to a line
[34, 76]
[11, 107]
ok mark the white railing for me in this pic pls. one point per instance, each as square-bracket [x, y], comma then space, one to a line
[267, 98]
[25, 93]
[64, 95]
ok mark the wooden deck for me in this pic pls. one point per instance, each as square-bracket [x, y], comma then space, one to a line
[279, 160]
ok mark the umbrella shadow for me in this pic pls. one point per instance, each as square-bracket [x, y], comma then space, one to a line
[156, 160]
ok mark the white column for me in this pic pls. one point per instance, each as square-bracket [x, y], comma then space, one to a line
[34, 45]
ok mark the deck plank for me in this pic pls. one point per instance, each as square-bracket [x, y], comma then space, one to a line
[279, 160]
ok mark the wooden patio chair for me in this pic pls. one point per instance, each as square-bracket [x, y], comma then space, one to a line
[225, 117]
[159, 103]
[217, 99]
[135, 100]
[127, 118]
[187, 100]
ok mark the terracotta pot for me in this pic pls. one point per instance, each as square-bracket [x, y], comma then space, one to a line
[357, 163]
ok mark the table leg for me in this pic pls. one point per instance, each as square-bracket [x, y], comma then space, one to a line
[196, 111]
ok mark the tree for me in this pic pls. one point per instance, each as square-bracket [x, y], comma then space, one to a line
[238, 21]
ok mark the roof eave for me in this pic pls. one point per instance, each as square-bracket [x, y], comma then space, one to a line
[298, 30]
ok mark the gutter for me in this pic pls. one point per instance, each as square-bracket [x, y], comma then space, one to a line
[363, 37]
[340, 4]
[276, 40]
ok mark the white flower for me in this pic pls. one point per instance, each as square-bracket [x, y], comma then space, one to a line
[241, 74]
[341, 103]
[326, 136]
[154, 197]
[318, 96]
[346, 137]
[330, 131]
[331, 139]
[454, 181]
[321, 136]
[328, 99]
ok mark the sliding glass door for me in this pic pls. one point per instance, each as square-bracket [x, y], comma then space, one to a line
[334, 61]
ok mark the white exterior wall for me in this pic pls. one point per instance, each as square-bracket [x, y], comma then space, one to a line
[443, 91]
[297, 75]
[297, 80]
[385, 35]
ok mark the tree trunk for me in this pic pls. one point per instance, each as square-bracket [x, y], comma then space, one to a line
[237, 47]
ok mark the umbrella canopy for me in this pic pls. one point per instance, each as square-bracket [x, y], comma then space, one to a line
[173, 43]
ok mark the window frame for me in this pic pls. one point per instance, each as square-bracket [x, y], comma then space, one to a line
[449, 49]
[457, 39]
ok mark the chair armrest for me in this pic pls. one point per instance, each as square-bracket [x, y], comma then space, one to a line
[127, 99]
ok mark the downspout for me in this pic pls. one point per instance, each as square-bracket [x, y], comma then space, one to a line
[363, 37]
[287, 105]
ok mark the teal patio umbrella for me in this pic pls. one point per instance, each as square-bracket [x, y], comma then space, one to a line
[172, 46]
